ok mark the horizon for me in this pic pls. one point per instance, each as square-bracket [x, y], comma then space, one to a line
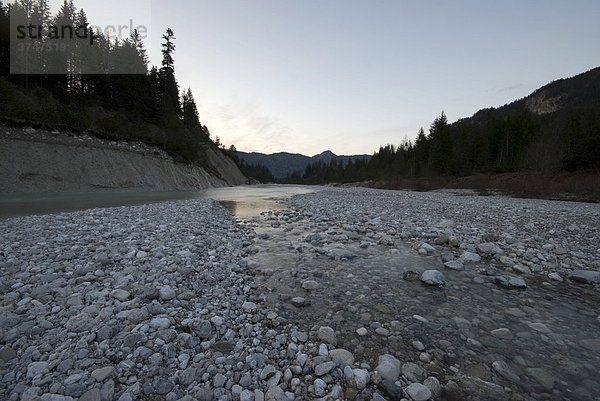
[279, 76]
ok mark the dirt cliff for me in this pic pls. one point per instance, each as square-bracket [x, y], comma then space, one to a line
[35, 161]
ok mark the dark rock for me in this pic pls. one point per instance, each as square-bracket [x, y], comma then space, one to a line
[389, 388]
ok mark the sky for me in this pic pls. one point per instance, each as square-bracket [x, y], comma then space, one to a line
[305, 76]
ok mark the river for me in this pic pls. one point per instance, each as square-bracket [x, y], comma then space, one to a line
[241, 201]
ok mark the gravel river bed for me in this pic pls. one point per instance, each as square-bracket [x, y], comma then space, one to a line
[349, 294]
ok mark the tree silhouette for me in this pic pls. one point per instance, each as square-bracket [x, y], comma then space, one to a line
[169, 86]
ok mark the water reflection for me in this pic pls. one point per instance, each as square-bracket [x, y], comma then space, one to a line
[249, 199]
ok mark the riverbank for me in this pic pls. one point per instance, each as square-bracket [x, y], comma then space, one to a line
[578, 187]
[325, 300]
[39, 161]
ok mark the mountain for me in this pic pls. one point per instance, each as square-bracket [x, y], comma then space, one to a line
[581, 92]
[553, 131]
[283, 164]
[555, 128]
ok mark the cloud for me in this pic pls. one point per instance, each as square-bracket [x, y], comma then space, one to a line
[245, 126]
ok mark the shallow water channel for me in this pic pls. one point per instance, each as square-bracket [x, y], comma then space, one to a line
[538, 343]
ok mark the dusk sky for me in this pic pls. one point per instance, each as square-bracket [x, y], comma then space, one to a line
[306, 76]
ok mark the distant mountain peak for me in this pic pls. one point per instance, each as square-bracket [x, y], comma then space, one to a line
[326, 153]
[283, 164]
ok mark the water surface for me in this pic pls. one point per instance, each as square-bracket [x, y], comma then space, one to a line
[240, 201]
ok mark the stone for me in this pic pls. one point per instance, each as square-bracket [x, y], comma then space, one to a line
[510, 282]
[91, 395]
[267, 372]
[348, 373]
[35, 369]
[427, 249]
[166, 293]
[160, 322]
[442, 240]
[386, 240]
[485, 248]
[452, 391]
[391, 390]
[274, 393]
[7, 353]
[246, 380]
[382, 331]
[502, 333]
[434, 385]
[55, 397]
[361, 331]
[301, 336]
[418, 345]
[585, 276]
[219, 380]
[361, 378]
[470, 257]
[541, 327]
[454, 265]
[201, 328]
[418, 392]
[310, 285]
[378, 397]
[342, 357]
[249, 307]
[31, 394]
[320, 387]
[555, 277]
[120, 294]
[519, 268]
[217, 321]
[388, 367]
[414, 372]
[162, 385]
[476, 387]
[505, 371]
[299, 302]
[80, 323]
[102, 374]
[383, 309]
[327, 334]
[246, 395]
[324, 368]
[433, 277]
[187, 376]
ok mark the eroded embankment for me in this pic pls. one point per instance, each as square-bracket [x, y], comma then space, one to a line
[39, 161]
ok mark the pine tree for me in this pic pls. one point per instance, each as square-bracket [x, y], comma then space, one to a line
[169, 87]
[61, 62]
[441, 145]
[40, 17]
[189, 112]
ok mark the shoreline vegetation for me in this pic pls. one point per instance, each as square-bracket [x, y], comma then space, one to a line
[564, 186]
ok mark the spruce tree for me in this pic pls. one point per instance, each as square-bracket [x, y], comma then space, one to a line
[169, 87]
[189, 112]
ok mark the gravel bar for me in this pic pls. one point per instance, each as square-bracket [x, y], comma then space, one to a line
[159, 301]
